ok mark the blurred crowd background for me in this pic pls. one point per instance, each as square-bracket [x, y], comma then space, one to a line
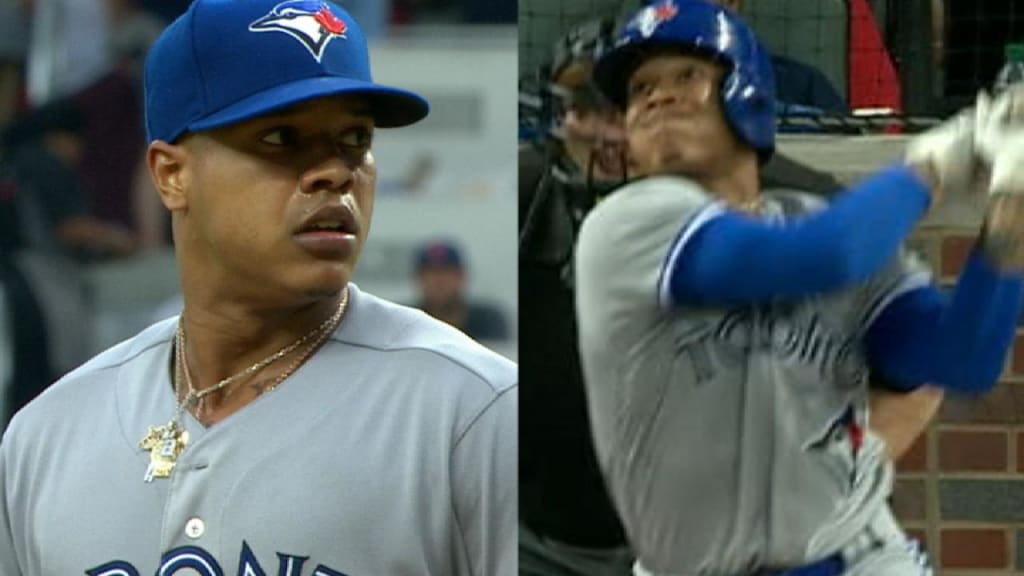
[86, 258]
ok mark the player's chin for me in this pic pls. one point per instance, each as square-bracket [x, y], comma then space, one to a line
[677, 158]
[321, 279]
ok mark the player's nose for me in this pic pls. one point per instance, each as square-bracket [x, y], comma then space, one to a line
[328, 170]
[661, 94]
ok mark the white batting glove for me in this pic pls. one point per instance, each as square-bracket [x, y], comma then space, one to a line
[999, 139]
[946, 154]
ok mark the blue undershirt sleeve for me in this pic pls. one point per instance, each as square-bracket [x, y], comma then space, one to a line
[958, 342]
[734, 258]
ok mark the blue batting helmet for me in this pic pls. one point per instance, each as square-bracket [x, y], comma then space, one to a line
[748, 89]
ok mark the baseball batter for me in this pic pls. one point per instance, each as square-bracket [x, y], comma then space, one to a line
[726, 336]
[287, 423]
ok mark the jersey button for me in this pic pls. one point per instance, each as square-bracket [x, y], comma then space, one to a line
[195, 527]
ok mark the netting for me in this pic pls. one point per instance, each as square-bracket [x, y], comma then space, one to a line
[971, 45]
[842, 66]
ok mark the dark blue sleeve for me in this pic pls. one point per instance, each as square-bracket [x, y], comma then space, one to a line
[734, 258]
[957, 342]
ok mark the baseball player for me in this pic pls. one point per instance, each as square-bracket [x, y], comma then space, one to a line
[287, 422]
[560, 181]
[726, 336]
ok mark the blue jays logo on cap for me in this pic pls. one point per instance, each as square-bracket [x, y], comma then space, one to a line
[648, 19]
[309, 21]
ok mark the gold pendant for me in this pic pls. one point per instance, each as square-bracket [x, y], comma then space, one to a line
[164, 443]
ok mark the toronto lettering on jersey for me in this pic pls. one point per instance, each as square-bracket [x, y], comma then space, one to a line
[787, 333]
[195, 560]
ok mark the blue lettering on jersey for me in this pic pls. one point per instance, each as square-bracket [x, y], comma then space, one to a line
[785, 332]
[189, 557]
[113, 569]
[288, 565]
[196, 560]
[325, 571]
[247, 564]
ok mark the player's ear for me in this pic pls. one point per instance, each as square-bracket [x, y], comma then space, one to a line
[170, 170]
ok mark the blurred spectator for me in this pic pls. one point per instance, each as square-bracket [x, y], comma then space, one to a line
[112, 168]
[13, 49]
[69, 47]
[133, 29]
[47, 230]
[797, 83]
[92, 51]
[804, 85]
[31, 369]
[441, 279]
[45, 148]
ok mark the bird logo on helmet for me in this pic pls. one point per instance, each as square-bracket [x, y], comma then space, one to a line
[648, 19]
[705, 28]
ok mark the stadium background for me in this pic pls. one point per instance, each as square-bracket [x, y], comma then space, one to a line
[960, 488]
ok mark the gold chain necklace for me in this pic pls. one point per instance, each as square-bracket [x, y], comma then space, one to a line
[165, 443]
[192, 396]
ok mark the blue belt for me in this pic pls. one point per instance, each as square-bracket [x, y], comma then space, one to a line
[830, 566]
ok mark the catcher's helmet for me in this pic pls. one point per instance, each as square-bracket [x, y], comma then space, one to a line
[569, 76]
[748, 88]
[584, 41]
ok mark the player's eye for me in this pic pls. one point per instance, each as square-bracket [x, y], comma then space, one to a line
[359, 137]
[281, 136]
[689, 73]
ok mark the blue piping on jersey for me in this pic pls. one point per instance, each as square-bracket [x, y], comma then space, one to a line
[733, 258]
[957, 342]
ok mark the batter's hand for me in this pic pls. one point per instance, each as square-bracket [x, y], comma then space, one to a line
[945, 155]
[999, 140]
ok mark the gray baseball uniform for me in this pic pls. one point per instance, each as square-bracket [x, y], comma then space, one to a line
[391, 451]
[726, 433]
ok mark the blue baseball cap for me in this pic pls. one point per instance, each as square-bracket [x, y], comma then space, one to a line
[438, 254]
[225, 61]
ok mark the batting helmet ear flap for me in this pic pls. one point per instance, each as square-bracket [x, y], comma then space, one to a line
[748, 99]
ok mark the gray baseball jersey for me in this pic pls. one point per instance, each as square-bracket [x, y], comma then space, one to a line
[725, 432]
[391, 451]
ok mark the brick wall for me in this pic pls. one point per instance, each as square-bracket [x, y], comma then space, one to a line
[960, 488]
